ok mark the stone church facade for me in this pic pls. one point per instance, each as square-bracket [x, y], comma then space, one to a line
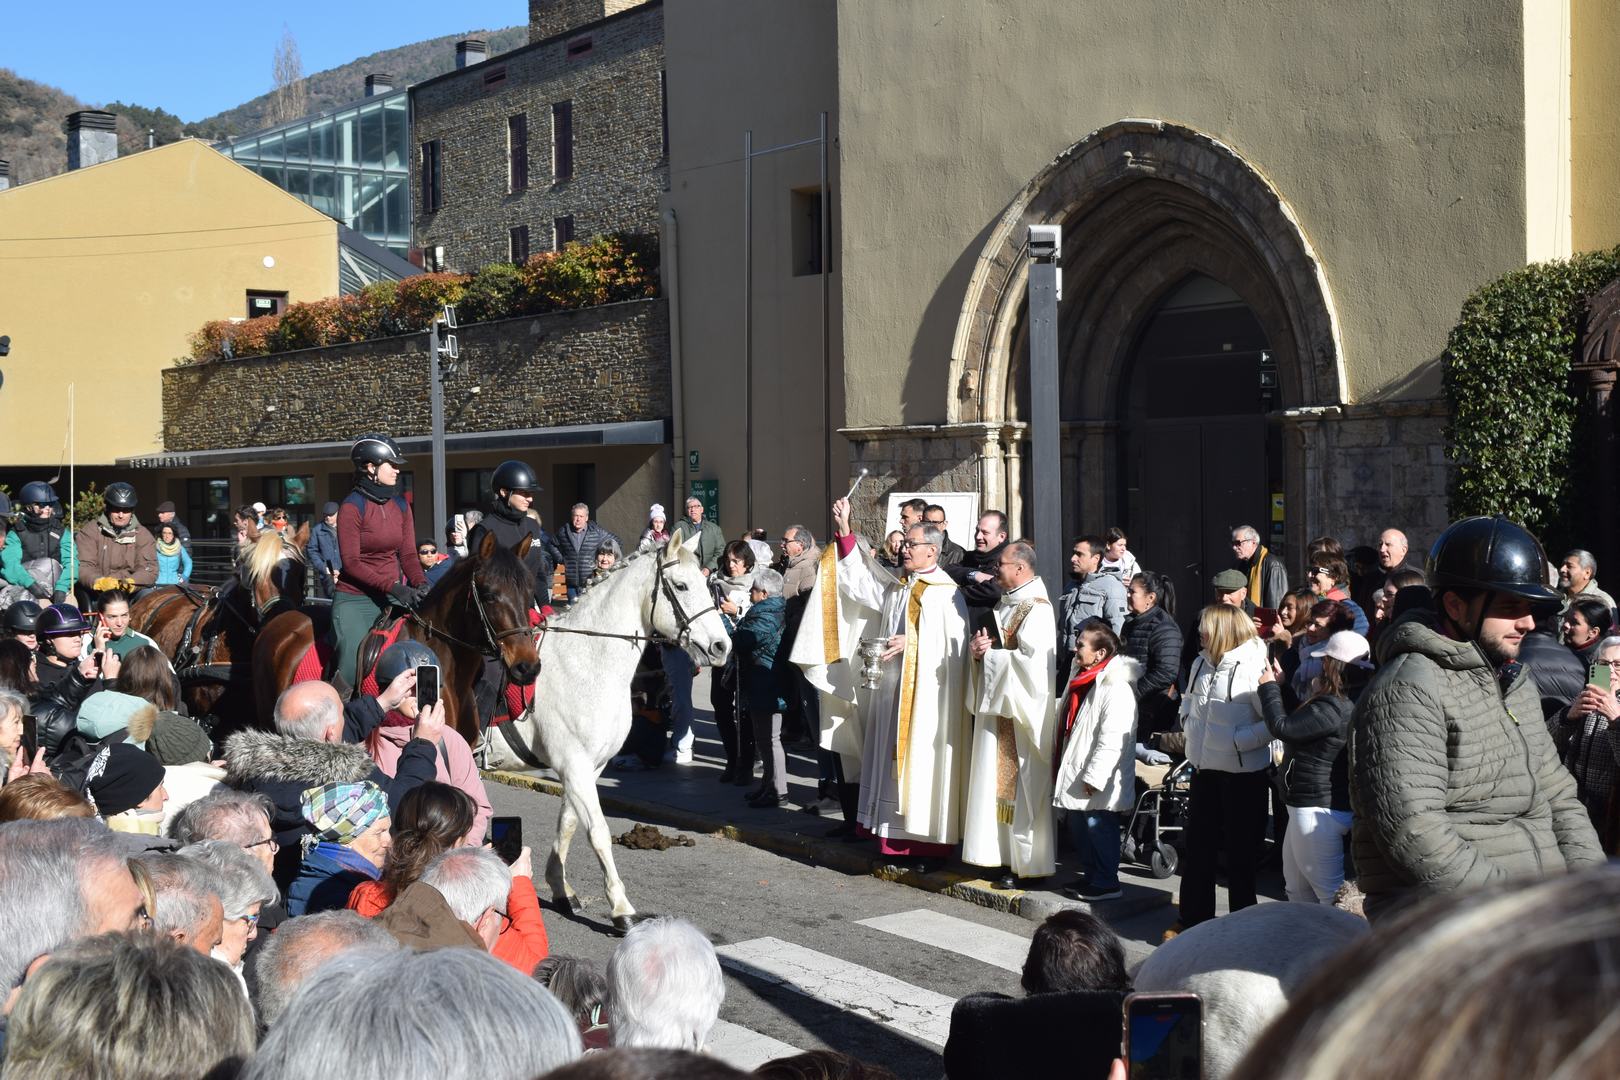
[1271, 221]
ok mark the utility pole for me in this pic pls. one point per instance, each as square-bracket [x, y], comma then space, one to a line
[1045, 430]
[443, 352]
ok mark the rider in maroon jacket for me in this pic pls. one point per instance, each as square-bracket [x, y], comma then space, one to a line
[377, 540]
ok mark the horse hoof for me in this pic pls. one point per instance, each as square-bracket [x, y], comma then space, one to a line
[623, 923]
[572, 903]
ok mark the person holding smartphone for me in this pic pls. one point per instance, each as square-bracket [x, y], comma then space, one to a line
[1587, 742]
[20, 759]
[68, 673]
[454, 764]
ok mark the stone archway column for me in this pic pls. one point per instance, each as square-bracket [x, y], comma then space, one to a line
[1012, 438]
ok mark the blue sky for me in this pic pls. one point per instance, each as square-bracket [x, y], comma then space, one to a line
[198, 57]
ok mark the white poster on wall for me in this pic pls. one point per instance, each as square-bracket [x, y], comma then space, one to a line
[961, 512]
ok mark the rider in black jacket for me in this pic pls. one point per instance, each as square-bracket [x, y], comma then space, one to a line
[508, 519]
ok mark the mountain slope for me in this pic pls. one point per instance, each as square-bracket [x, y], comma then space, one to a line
[31, 117]
[340, 85]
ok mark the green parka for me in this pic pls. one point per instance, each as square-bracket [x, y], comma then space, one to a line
[1454, 783]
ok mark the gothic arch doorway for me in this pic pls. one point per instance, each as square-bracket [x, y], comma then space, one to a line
[1164, 227]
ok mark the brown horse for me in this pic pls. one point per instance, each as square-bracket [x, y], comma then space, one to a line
[208, 633]
[479, 609]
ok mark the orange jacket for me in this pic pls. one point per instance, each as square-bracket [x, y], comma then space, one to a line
[523, 944]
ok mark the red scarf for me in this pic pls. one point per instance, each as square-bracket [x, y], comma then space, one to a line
[1078, 686]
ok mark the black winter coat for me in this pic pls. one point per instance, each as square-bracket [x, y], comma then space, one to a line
[1558, 673]
[580, 561]
[543, 555]
[1153, 640]
[1316, 756]
[56, 707]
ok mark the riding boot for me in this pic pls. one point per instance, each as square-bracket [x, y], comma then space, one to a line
[487, 691]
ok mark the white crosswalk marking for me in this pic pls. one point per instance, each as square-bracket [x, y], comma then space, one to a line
[983, 943]
[743, 1049]
[899, 1005]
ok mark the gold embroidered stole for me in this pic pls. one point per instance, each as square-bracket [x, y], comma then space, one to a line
[908, 687]
[1006, 737]
[827, 578]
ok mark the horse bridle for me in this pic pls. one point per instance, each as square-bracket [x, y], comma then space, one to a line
[492, 636]
[683, 621]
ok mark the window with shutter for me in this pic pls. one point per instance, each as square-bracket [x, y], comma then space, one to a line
[562, 231]
[517, 152]
[431, 168]
[518, 244]
[562, 141]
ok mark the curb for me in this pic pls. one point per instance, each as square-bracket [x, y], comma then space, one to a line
[1028, 904]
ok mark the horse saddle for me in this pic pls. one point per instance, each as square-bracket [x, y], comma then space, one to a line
[377, 639]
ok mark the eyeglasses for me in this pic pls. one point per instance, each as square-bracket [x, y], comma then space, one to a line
[260, 843]
[1240, 543]
[251, 920]
[426, 551]
[916, 543]
[1322, 570]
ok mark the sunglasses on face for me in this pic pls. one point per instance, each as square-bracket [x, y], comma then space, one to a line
[427, 551]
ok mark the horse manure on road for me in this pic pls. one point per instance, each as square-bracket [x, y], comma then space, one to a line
[649, 838]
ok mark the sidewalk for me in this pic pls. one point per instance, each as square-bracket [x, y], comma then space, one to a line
[691, 798]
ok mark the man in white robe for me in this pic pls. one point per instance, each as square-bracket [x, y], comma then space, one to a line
[1007, 819]
[914, 746]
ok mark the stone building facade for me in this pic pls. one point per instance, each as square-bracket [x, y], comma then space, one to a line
[597, 365]
[560, 139]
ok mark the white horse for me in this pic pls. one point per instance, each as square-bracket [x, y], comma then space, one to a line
[581, 711]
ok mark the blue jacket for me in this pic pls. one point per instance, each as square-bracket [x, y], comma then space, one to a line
[173, 569]
[329, 874]
[757, 644]
[323, 550]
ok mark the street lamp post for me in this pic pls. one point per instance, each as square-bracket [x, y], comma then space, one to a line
[1045, 290]
[443, 352]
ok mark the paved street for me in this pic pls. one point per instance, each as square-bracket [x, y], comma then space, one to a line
[814, 957]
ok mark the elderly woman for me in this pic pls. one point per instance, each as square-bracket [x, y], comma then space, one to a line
[349, 843]
[757, 644]
[245, 888]
[13, 707]
[1329, 578]
[608, 554]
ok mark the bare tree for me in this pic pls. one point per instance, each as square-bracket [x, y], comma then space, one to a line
[290, 99]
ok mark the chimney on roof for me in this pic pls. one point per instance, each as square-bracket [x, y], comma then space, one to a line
[378, 83]
[470, 51]
[92, 137]
[5, 174]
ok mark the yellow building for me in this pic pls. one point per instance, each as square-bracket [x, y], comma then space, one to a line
[106, 271]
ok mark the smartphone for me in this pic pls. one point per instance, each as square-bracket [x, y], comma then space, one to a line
[1599, 676]
[506, 837]
[30, 738]
[1268, 620]
[461, 524]
[427, 685]
[1164, 1036]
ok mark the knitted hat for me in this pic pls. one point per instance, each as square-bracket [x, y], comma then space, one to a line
[108, 711]
[656, 510]
[341, 812]
[177, 740]
[121, 778]
[1230, 581]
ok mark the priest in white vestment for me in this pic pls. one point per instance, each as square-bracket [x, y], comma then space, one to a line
[1007, 817]
[915, 739]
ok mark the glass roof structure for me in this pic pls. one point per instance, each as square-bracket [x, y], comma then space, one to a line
[352, 164]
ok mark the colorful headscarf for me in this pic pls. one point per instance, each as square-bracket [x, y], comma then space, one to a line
[341, 812]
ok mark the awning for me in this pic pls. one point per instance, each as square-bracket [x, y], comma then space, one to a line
[633, 433]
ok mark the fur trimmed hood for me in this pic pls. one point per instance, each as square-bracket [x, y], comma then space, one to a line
[1121, 669]
[262, 757]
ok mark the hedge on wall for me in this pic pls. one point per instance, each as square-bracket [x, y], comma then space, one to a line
[604, 270]
[1517, 435]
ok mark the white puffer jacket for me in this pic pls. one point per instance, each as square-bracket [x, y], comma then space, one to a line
[1099, 751]
[1221, 712]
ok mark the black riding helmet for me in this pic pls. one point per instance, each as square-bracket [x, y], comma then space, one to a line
[402, 656]
[38, 491]
[374, 450]
[21, 618]
[513, 476]
[1490, 554]
[119, 496]
[59, 620]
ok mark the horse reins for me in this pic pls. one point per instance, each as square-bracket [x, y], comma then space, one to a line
[683, 621]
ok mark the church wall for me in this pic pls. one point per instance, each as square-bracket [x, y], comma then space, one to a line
[1595, 123]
